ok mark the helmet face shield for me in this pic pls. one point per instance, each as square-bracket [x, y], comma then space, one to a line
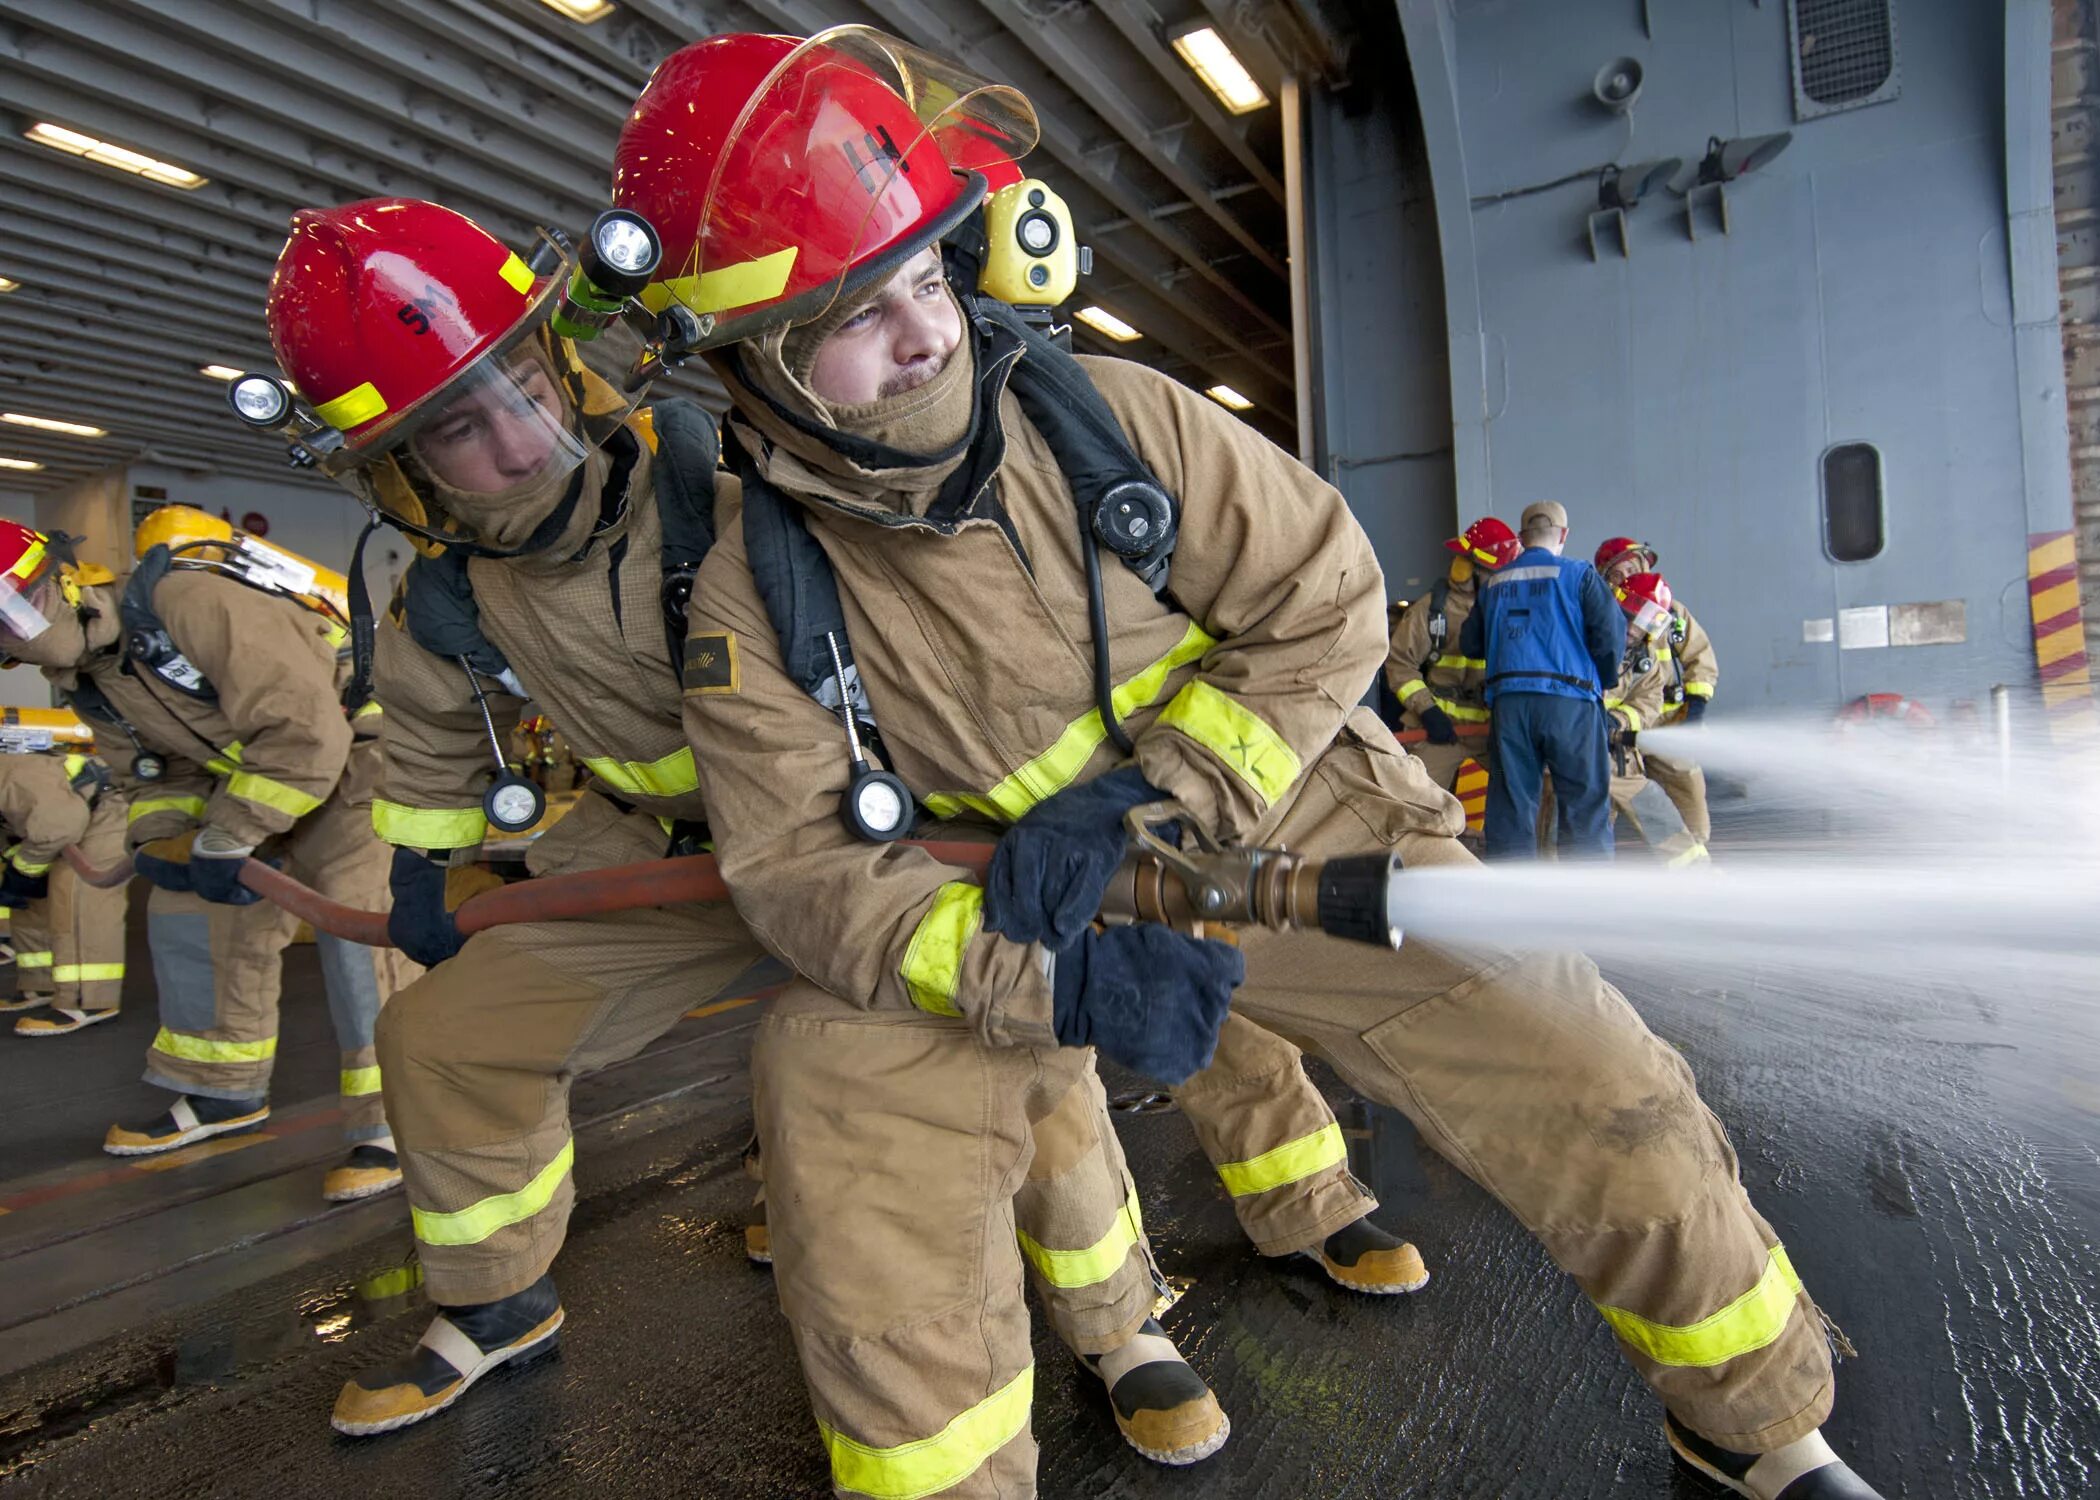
[837, 165]
[1650, 619]
[20, 619]
[25, 562]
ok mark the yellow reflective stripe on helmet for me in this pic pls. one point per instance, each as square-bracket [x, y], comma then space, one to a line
[517, 273]
[1097, 1262]
[477, 1221]
[203, 1049]
[1410, 688]
[1700, 689]
[85, 973]
[31, 559]
[932, 967]
[1461, 713]
[1237, 735]
[358, 404]
[26, 867]
[1293, 1161]
[673, 776]
[358, 1082]
[146, 807]
[429, 827]
[1745, 1325]
[725, 287]
[932, 1464]
[32, 960]
[1691, 856]
[1055, 768]
[256, 787]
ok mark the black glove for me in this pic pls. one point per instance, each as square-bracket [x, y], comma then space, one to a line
[18, 888]
[165, 862]
[1048, 873]
[215, 868]
[419, 925]
[1438, 726]
[1695, 707]
[1146, 996]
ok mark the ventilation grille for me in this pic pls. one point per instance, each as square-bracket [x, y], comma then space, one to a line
[1844, 55]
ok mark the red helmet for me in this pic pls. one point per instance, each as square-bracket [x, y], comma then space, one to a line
[1616, 547]
[25, 562]
[1646, 600]
[393, 316]
[779, 174]
[1488, 542]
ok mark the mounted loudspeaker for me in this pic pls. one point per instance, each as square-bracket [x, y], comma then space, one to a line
[1618, 84]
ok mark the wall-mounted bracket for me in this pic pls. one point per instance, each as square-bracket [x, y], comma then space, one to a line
[1707, 202]
[1607, 233]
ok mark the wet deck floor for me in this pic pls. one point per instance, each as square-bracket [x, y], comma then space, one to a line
[1931, 1164]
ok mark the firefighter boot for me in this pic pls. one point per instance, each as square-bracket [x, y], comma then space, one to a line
[1804, 1469]
[192, 1118]
[62, 1020]
[371, 1169]
[461, 1345]
[1364, 1258]
[1163, 1407]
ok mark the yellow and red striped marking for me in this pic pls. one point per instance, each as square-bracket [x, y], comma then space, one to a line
[2059, 636]
[1472, 790]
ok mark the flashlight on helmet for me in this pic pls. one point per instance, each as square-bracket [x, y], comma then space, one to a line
[618, 257]
[1032, 256]
[267, 404]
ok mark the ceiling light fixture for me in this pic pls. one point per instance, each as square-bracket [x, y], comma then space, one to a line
[26, 465]
[123, 158]
[1225, 395]
[221, 372]
[1106, 323]
[52, 424]
[9, 284]
[585, 11]
[1221, 71]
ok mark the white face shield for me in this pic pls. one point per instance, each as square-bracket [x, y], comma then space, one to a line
[1650, 620]
[20, 619]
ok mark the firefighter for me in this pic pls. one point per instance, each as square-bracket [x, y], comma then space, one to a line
[1635, 705]
[49, 801]
[1436, 686]
[918, 463]
[1693, 672]
[220, 705]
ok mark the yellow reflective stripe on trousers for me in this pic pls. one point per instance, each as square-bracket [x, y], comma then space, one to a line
[146, 807]
[32, 960]
[1462, 663]
[1055, 768]
[84, 973]
[1097, 1262]
[1293, 1161]
[25, 866]
[476, 1222]
[932, 967]
[932, 1464]
[203, 1049]
[1461, 714]
[428, 827]
[673, 776]
[1691, 856]
[357, 1082]
[1237, 735]
[1747, 1324]
[253, 786]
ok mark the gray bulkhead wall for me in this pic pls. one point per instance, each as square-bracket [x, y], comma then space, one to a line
[1685, 394]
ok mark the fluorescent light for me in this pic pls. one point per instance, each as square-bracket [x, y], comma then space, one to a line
[58, 138]
[9, 284]
[1105, 322]
[221, 372]
[1224, 74]
[585, 11]
[1225, 395]
[26, 465]
[52, 424]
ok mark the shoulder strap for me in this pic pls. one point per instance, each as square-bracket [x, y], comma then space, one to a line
[688, 451]
[146, 638]
[800, 590]
[437, 606]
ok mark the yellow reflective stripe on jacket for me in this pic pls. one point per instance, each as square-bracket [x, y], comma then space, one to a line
[1747, 1324]
[1410, 688]
[673, 776]
[477, 1221]
[226, 762]
[85, 973]
[27, 867]
[932, 967]
[203, 1049]
[32, 960]
[1633, 715]
[1237, 735]
[1097, 1262]
[1293, 1161]
[146, 807]
[1700, 689]
[429, 827]
[1461, 663]
[932, 1464]
[358, 1082]
[253, 786]
[1055, 768]
[372, 706]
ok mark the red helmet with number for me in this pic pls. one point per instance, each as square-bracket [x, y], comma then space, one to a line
[1615, 548]
[1488, 542]
[25, 562]
[398, 320]
[780, 174]
[1646, 599]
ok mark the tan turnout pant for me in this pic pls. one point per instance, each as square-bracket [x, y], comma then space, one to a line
[899, 1143]
[1685, 785]
[87, 924]
[220, 969]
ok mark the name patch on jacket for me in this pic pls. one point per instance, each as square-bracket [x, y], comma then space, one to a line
[710, 663]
